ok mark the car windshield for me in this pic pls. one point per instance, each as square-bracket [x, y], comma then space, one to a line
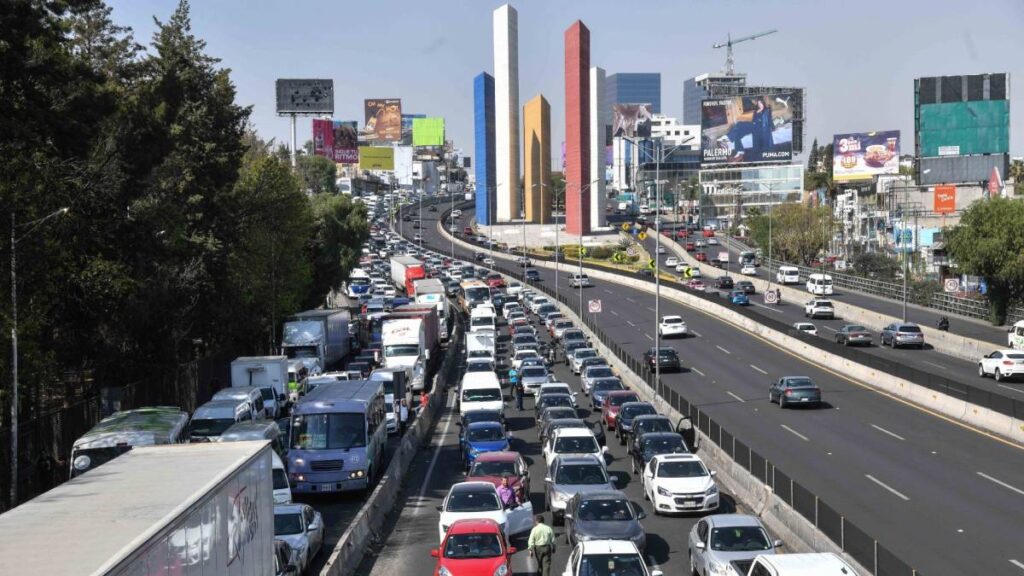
[673, 445]
[634, 411]
[581, 474]
[286, 524]
[600, 372]
[464, 546]
[480, 366]
[666, 352]
[534, 372]
[910, 328]
[620, 400]
[799, 383]
[401, 350]
[645, 425]
[681, 469]
[612, 565]
[481, 416]
[503, 468]
[586, 353]
[605, 511]
[486, 434]
[559, 412]
[573, 334]
[329, 431]
[209, 426]
[555, 400]
[473, 502]
[576, 445]
[823, 303]
[855, 328]
[672, 321]
[740, 539]
[608, 386]
[1015, 356]
[482, 395]
[280, 479]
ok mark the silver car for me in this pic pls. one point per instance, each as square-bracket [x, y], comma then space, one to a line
[303, 529]
[899, 334]
[727, 544]
[593, 373]
[579, 355]
[532, 378]
[570, 475]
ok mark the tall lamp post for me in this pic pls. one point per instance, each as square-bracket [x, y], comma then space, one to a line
[14, 340]
[579, 252]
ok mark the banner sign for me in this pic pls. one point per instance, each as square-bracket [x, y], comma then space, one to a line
[861, 156]
[305, 96]
[945, 199]
[428, 132]
[383, 119]
[376, 158]
[631, 120]
[747, 129]
[337, 140]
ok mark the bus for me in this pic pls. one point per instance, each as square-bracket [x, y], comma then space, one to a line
[473, 292]
[338, 434]
[122, 431]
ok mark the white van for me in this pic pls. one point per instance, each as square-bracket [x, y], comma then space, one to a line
[812, 564]
[1015, 338]
[577, 280]
[213, 418]
[482, 318]
[265, 430]
[787, 275]
[480, 391]
[481, 344]
[251, 394]
[819, 284]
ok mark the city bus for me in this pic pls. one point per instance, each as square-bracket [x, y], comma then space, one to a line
[473, 292]
[338, 434]
[122, 431]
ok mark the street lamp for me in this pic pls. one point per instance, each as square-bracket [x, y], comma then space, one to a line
[14, 340]
[579, 252]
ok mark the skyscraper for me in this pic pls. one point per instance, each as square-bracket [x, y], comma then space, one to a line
[577, 129]
[506, 109]
[537, 160]
[598, 119]
[483, 124]
[702, 87]
[633, 88]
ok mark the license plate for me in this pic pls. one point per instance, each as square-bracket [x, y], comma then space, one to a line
[804, 399]
[690, 503]
[324, 487]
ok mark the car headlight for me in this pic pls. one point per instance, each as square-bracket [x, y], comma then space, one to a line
[444, 572]
[473, 451]
[719, 568]
[663, 492]
[712, 491]
[561, 497]
[501, 571]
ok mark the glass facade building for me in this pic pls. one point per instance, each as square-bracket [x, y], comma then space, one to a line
[728, 194]
[701, 87]
[632, 88]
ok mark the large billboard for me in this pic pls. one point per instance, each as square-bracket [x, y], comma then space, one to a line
[383, 119]
[863, 155]
[337, 140]
[376, 158]
[747, 129]
[311, 96]
[631, 120]
[964, 128]
[428, 132]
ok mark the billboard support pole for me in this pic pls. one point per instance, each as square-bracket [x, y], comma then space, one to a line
[295, 154]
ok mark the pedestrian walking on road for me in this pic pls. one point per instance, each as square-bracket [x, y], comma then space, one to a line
[517, 389]
[541, 545]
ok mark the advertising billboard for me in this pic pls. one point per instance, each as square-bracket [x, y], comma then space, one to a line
[428, 132]
[376, 158]
[863, 155]
[383, 119]
[631, 120]
[337, 140]
[945, 199]
[747, 129]
[964, 128]
[310, 96]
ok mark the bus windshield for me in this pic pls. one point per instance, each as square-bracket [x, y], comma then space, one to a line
[478, 293]
[329, 431]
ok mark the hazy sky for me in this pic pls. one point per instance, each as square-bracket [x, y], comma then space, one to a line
[857, 60]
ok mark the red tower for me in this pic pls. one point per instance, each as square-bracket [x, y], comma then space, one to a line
[577, 129]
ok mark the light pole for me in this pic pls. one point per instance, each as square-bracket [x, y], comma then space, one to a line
[14, 341]
[579, 252]
[771, 196]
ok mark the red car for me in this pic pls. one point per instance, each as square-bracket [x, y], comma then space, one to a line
[612, 401]
[708, 233]
[493, 466]
[690, 247]
[495, 281]
[468, 230]
[681, 234]
[473, 547]
[701, 257]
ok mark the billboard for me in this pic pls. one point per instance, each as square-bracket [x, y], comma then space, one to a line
[376, 158]
[309, 96]
[383, 119]
[428, 132]
[945, 199]
[747, 129]
[631, 120]
[964, 128]
[467, 162]
[337, 140]
[863, 155]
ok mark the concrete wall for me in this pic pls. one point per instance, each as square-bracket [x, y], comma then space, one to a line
[506, 108]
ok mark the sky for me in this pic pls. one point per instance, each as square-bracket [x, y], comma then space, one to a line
[857, 60]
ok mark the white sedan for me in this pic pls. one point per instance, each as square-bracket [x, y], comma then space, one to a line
[749, 270]
[806, 327]
[1002, 364]
[303, 529]
[661, 249]
[620, 556]
[679, 483]
[672, 326]
[480, 500]
[671, 262]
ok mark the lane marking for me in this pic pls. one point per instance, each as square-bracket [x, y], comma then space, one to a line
[1001, 483]
[768, 308]
[884, 431]
[886, 486]
[697, 371]
[614, 312]
[939, 366]
[758, 369]
[651, 309]
[723, 349]
[433, 461]
[649, 337]
[735, 396]
[795, 433]
[1017, 390]
[630, 322]
[628, 299]
[697, 334]
[830, 328]
[1017, 564]
[607, 291]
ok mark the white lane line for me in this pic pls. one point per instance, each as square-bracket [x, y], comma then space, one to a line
[1017, 390]
[830, 328]
[628, 299]
[939, 366]
[795, 433]
[1001, 483]
[884, 431]
[758, 369]
[607, 291]
[768, 308]
[735, 396]
[614, 312]
[697, 334]
[649, 337]
[630, 322]
[1017, 563]
[722, 349]
[651, 309]
[886, 486]
[697, 371]
[433, 461]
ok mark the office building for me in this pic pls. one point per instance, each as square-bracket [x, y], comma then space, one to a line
[483, 128]
[506, 112]
[577, 129]
[633, 88]
[672, 133]
[703, 87]
[597, 147]
[537, 160]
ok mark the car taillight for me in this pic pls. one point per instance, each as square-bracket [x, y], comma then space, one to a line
[789, 392]
[1008, 362]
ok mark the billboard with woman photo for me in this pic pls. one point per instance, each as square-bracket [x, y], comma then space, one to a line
[747, 129]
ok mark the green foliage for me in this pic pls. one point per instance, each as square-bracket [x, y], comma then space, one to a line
[798, 232]
[339, 230]
[317, 174]
[875, 265]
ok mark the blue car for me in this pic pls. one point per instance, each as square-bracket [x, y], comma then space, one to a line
[601, 387]
[480, 437]
[739, 298]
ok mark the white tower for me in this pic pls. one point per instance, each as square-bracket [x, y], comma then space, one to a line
[506, 112]
[597, 148]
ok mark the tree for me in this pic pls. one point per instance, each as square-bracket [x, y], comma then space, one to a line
[989, 242]
[558, 190]
[317, 174]
[1017, 173]
[798, 232]
[339, 231]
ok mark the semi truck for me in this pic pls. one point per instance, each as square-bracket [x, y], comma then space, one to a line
[195, 509]
[431, 291]
[409, 339]
[320, 334]
[404, 271]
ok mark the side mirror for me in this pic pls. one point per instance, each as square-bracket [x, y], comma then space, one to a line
[567, 516]
[435, 552]
[657, 573]
[439, 508]
[547, 479]
[313, 527]
[700, 545]
[511, 550]
[604, 450]
[614, 478]
[713, 473]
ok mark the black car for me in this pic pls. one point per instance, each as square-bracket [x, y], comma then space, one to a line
[552, 425]
[645, 273]
[604, 514]
[555, 413]
[624, 418]
[471, 416]
[654, 443]
[452, 288]
[747, 286]
[552, 401]
[648, 424]
[724, 283]
[479, 256]
[667, 359]
[532, 275]
[433, 208]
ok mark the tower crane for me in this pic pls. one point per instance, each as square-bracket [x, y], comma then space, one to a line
[728, 47]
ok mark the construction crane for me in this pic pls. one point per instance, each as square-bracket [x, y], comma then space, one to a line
[728, 48]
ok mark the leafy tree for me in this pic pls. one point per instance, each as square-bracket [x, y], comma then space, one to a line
[989, 242]
[318, 174]
[798, 232]
[558, 190]
[339, 230]
[1017, 173]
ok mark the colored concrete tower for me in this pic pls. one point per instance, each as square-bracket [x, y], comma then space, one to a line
[537, 160]
[506, 109]
[483, 123]
[577, 129]
[597, 148]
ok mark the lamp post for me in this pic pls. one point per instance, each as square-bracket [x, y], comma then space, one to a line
[579, 252]
[14, 340]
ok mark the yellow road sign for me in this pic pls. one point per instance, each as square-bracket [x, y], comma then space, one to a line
[626, 227]
[642, 236]
[651, 264]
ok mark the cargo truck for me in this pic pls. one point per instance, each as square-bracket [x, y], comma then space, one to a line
[189, 509]
[404, 271]
[431, 291]
[269, 374]
[410, 340]
[319, 334]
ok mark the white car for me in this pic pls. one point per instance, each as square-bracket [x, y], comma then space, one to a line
[571, 441]
[456, 213]
[514, 288]
[819, 308]
[619, 556]
[390, 291]
[672, 326]
[712, 241]
[554, 388]
[489, 261]
[480, 500]
[303, 529]
[671, 262]
[1002, 364]
[679, 483]
[749, 270]
[578, 356]
[661, 249]
[418, 237]
[517, 360]
[694, 272]
[806, 327]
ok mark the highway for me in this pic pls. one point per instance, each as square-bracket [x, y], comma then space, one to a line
[945, 498]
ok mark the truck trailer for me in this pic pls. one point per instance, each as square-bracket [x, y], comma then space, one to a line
[404, 271]
[431, 291]
[320, 334]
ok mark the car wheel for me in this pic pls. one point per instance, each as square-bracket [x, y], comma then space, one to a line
[557, 519]
[981, 370]
[693, 567]
[998, 375]
[782, 402]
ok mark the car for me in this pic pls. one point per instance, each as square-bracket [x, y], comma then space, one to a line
[739, 298]
[611, 403]
[555, 413]
[302, 528]
[806, 328]
[418, 237]
[679, 483]
[902, 334]
[661, 249]
[550, 426]
[558, 327]
[671, 262]
[646, 424]
[614, 557]
[569, 475]
[532, 378]
[749, 270]
[600, 388]
[524, 341]
[651, 444]
[1002, 365]
[578, 355]
[574, 334]
[672, 326]
[520, 355]
[724, 283]
[479, 500]
[577, 280]
[480, 365]
[553, 401]
[794, 390]
[490, 262]
[433, 208]
[645, 273]
[746, 286]
[480, 437]
[550, 318]
[590, 363]
[514, 288]
[494, 466]
[696, 284]
[532, 275]
[851, 334]
[570, 441]
[478, 415]
[479, 256]
[667, 359]
[701, 257]
[721, 541]
[570, 346]
[689, 246]
[607, 515]
[283, 559]
[592, 374]
[473, 546]
[818, 308]
[624, 419]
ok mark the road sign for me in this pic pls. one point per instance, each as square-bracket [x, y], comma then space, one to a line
[688, 272]
[306, 96]
[594, 306]
[583, 251]
[626, 227]
[771, 297]
[631, 251]
[651, 263]
[642, 236]
[951, 284]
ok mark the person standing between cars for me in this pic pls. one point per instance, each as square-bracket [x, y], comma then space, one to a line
[541, 545]
[507, 495]
[513, 378]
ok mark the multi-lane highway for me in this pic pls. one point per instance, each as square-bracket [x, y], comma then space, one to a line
[945, 498]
